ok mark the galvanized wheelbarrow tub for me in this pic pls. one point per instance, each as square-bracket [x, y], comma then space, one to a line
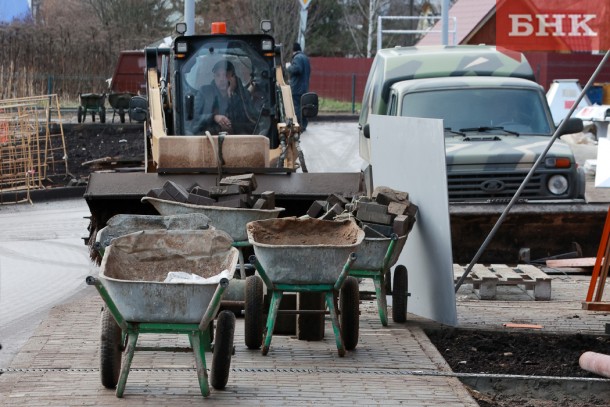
[231, 220]
[375, 258]
[138, 300]
[305, 255]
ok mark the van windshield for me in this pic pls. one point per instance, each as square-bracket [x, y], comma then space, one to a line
[516, 110]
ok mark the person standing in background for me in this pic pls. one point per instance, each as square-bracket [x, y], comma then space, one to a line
[299, 71]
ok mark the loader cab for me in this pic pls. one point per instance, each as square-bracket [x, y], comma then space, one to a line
[195, 94]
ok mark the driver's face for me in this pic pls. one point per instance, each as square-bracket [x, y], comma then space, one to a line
[221, 80]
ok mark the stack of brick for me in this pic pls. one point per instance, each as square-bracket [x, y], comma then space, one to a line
[233, 192]
[388, 211]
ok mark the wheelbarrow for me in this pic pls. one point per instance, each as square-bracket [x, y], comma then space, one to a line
[120, 104]
[375, 258]
[231, 220]
[141, 298]
[303, 255]
[94, 103]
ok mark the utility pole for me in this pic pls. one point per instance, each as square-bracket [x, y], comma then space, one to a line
[303, 24]
[189, 16]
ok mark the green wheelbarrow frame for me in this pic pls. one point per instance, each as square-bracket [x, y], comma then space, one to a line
[330, 294]
[378, 275]
[199, 334]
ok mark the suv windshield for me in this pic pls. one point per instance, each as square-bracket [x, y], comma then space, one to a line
[515, 110]
[227, 77]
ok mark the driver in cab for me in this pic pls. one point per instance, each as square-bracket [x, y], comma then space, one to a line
[224, 105]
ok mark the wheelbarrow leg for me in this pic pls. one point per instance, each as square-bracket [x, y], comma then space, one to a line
[132, 339]
[330, 302]
[382, 303]
[198, 341]
[273, 309]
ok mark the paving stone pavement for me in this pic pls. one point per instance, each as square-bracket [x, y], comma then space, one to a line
[395, 365]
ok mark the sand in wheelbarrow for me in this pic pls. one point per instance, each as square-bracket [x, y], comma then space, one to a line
[287, 232]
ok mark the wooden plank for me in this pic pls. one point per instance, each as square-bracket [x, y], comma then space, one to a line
[596, 306]
[580, 262]
[529, 326]
[508, 274]
[534, 272]
[483, 273]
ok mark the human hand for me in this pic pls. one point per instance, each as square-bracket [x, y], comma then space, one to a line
[223, 121]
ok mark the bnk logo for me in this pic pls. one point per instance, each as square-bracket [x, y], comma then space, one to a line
[552, 25]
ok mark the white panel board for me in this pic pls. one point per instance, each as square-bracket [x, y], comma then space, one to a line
[602, 172]
[408, 154]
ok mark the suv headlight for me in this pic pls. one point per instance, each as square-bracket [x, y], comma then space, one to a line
[557, 184]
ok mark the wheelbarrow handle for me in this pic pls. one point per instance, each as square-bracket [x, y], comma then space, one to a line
[90, 280]
[214, 305]
[350, 260]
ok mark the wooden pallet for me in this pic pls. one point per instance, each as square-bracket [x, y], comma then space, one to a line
[485, 280]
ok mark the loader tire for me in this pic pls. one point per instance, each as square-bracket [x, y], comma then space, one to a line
[111, 350]
[399, 294]
[349, 305]
[223, 350]
[254, 312]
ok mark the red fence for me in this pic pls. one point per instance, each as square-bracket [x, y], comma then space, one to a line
[339, 78]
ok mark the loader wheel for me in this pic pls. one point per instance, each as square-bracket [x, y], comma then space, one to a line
[253, 312]
[223, 349]
[302, 162]
[111, 350]
[349, 305]
[399, 294]
[79, 114]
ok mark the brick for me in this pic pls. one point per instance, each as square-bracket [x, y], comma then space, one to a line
[197, 190]
[176, 191]
[269, 197]
[233, 201]
[159, 193]
[200, 200]
[384, 195]
[400, 226]
[396, 208]
[373, 212]
[316, 208]
[246, 182]
[334, 199]
[332, 212]
[217, 191]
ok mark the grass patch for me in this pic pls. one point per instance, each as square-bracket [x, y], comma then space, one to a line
[332, 105]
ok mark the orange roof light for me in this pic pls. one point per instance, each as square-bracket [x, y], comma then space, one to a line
[219, 28]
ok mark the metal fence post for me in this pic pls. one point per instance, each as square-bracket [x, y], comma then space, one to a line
[353, 93]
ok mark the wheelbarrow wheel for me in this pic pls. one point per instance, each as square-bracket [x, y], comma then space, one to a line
[349, 305]
[253, 312]
[223, 349]
[79, 114]
[388, 282]
[400, 287]
[102, 114]
[111, 350]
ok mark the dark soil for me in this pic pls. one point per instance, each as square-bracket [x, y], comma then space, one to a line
[468, 351]
[97, 146]
[518, 353]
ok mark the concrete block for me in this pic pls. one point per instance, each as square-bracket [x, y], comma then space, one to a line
[384, 195]
[396, 208]
[246, 182]
[332, 212]
[373, 212]
[400, 226]
[269, 197]
[176, 191]
[218, 191]
[317, 208]
[370, 232]
[334, 199]
[200, 200]
[197, 190]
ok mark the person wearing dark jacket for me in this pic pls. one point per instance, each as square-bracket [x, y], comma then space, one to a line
[299, 71]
